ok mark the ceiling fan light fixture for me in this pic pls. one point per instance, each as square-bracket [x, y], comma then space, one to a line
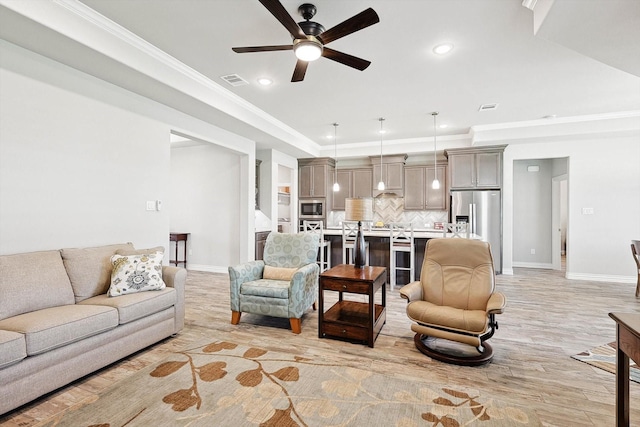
[307, 49]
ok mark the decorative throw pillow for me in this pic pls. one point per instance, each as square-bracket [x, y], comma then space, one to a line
[136, 273]
[278, 273]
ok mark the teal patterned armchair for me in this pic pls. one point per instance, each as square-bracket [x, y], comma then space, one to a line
[284, 284]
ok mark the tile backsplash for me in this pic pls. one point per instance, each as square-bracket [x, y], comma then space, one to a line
[389, 208]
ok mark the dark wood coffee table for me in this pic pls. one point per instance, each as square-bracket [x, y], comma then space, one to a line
[353, 320]
[628, 343]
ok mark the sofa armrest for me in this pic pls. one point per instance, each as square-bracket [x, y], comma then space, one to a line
[496, 304]
[240, 274]
[412, 291]
[176, 278]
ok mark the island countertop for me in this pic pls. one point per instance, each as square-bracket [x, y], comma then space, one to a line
[384, 232]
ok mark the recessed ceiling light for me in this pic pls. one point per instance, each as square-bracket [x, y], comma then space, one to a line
[443, 48]
[382, 131]
[442, 126]
[265, 81]
[329, 136]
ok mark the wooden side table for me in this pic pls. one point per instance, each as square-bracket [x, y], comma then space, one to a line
[179, 237]
[628, 344]
[353, 320]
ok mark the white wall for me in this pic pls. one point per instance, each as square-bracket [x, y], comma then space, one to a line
[205, 202]
[603, 174]
[79, 158]
[532, 213]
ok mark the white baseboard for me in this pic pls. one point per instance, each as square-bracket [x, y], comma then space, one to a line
[209, 268]
[541, 265]
[507, 271]
[601, 278]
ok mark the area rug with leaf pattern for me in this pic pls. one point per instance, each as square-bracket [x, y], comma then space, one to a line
[604, 357]
[226, 384]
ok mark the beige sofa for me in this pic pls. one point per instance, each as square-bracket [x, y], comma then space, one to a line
[58, 324]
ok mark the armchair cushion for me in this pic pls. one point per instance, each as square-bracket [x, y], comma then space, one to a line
[266, 288]
[278, 273]
[424, 312]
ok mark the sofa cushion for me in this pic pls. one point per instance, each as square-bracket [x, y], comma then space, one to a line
[13, 348]
[32, 281]
[136, 273]
[90, 269]
[135, 306]
[266, 288]
[140, 251]
[55, 327]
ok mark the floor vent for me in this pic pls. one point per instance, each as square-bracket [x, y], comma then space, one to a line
[235, 80]
[487, 107]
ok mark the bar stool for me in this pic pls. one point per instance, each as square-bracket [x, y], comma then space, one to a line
[401, 240]
[459, 229]
[318, 228]
[349, 233]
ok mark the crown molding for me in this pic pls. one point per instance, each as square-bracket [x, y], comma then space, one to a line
[560, 128]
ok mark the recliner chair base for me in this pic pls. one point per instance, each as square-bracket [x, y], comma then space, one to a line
[471, 360]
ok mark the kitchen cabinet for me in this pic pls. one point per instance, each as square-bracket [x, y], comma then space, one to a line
[261, 239]
[418, 194]
[391, 169]
[353, 183]
[476, 167]
[315, 177]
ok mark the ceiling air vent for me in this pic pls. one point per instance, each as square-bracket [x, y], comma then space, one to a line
[234, 80]
[487, 107]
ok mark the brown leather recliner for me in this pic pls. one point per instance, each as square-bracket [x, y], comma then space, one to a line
[455, 299]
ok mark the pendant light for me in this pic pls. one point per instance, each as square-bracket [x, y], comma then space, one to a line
[336, 186]
[435, 184]
[381, 183]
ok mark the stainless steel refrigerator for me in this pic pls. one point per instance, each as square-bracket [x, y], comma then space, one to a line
[482, 210]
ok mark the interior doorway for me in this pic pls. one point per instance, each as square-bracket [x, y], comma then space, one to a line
[559, 208]
[286, 215]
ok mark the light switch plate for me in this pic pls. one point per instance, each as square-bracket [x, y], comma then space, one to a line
[151, 205]
[587, 211]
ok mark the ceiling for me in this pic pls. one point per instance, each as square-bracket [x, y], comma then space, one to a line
[497, 58]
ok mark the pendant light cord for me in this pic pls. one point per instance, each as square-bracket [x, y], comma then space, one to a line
[335, 157]
[436, 183]
[381, 182]
[435, 160]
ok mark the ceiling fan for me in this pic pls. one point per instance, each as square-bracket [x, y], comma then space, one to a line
[310, 38]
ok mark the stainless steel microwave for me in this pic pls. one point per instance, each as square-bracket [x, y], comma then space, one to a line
[312, 209]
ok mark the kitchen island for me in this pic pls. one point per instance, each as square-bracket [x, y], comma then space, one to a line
[378, 239]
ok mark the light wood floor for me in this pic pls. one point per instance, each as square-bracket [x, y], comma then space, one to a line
[548, 318]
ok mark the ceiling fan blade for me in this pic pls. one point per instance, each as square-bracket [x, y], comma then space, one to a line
[300, 70]
[261, 48]
[355, 23]
[277, 9]
[346, 59]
